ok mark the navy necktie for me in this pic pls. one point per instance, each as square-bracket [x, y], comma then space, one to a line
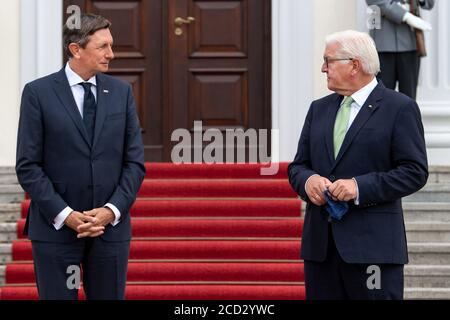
[89, 108]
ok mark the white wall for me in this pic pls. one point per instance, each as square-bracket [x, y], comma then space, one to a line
[41, 38]
[31, 33]
[298, 35]
[329, 16]
[32, 30]
[292, 88]
[9, 80]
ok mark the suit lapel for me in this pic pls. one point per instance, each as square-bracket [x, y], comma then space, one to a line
[64, 93]
[103, 93]
[331, 117]
[367, 110]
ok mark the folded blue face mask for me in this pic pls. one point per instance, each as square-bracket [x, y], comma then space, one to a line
[336, 209]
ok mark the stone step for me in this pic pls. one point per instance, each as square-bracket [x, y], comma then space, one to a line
[7, 170]
[439, 174]
[8, 231]
[429, 253]
[8, 175]
[9, 212]
[5, 253]
[420, 211]
[432, 192]
[426, 211]
[10, 193]
[8, 179]
[428, 231]
[427, 276]
[2, 275]
[427, 293]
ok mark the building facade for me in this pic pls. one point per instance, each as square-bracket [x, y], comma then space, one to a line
[31, 33]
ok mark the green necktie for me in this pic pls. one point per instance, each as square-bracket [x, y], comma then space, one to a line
[340, 124]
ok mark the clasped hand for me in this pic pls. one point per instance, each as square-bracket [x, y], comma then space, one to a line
[90, 223]
[340, 190]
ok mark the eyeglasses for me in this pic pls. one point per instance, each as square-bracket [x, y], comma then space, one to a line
[327, 60]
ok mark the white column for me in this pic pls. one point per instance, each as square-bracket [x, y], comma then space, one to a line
[9, 80]
[31, 32]
[41, 38]
[433, 94]
[292, 76]
[361, 16]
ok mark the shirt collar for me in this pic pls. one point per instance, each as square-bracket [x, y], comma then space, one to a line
[75, 79]
[362, 94]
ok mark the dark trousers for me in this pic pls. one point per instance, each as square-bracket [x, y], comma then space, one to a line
[334, 279]
[103, 268]
[401, 67]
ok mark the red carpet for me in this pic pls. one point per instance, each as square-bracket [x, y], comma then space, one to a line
[231, 188]
[210, 232]
[211, 171]
[188, 271]
[184, 292]
[217, 228]
[196, 207]
[197, 249]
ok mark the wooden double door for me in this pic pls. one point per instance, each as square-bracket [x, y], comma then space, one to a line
[191, 60]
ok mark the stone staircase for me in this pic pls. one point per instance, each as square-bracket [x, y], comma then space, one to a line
[427, 221]
[11, 194]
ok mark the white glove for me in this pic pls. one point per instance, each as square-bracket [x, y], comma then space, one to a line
[404, 6]
[416, 22]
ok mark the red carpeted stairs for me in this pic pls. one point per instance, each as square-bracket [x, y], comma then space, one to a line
[201, 232]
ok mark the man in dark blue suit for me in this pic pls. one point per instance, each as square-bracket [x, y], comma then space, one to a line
[80, 158]
[365, 145]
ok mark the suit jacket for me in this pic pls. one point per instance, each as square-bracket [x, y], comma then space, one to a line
[384, 149]
[57, 165]
[395, 35]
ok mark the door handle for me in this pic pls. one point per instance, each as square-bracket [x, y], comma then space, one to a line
[180, 21]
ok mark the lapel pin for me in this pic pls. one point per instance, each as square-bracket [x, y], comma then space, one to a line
[105, 91]
[370, 106]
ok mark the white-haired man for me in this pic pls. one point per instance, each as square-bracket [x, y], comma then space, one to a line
[364, 144]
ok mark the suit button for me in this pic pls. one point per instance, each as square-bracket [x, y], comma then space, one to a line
[332, 178]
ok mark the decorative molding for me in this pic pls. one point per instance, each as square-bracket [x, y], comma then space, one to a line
[436, 121]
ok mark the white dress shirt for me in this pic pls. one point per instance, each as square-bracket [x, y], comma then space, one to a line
[78, 94]
[359, 98]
